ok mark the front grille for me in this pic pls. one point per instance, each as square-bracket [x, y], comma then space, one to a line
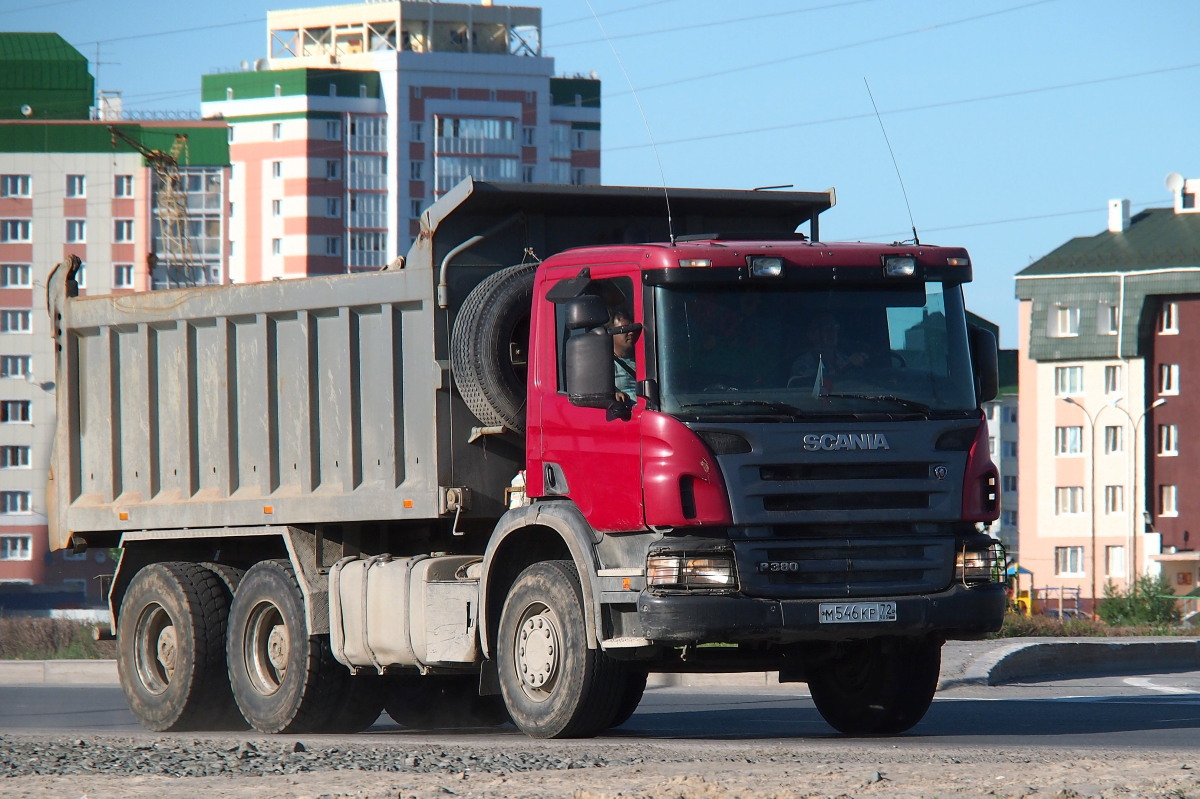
[843, 471]
[879, 500]
[846, 567]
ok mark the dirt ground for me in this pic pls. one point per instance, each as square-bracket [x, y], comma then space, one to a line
[710, 772]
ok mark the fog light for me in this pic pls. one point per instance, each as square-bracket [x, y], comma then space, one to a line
[977, 566]
[711, 570]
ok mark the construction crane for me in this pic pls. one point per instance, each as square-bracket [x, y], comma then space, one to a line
[170, 210]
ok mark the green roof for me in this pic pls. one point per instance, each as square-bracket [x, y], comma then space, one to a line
[208, 144]
[1157, 238]
[291, 82]
[43, 77]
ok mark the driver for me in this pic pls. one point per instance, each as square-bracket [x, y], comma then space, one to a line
[825, 355]
[625, 336]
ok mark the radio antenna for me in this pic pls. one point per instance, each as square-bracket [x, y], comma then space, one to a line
[903, 191]
[650, 133]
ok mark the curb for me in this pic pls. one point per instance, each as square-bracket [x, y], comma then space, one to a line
[59, 672]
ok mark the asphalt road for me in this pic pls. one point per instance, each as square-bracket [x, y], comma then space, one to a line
[1158, 712]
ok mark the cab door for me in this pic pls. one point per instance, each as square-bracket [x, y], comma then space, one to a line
[580, 452]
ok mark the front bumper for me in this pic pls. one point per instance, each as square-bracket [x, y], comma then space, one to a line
[960, 612]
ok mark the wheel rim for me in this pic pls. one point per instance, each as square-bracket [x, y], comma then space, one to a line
[266, 645]
[538, 651]
[157, 650]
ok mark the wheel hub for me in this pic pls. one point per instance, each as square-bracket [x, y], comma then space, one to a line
[278, 646]
[538, 651]
[167, 649]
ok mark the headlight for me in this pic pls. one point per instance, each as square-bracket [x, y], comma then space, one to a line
[977, 566]
[899, 265]
[711, 570]
[762, 266]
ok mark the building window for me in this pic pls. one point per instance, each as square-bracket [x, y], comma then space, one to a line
[1068, 561]
[1168, 378]
[1114, 439]
[15, 411]
[1114, 499]
[123, 231]
[1012, 415]
[276, 246]
[415, 170]
[276, 169]
[527, 173]
[14, 185]
[333, 207]
[14, 501]
[276, 207]
[15, 365]
[1068, 500]
[16, 230]
[15, 321]
[415, 209]
[417, 131]
[122, 276]
[1068, 440]
[579, 140]
[1008, 518]
[16, 276]
[527, 136]
[276, 131]
[1009, 482]
[1068, 380]
[333, 170]
[1008, 449]
[76, 186]
[1112, 380]
[1168, 319]
[578, 177]
[123, 186]
[16, 547]
[333, 245]
[1108, 319]
[1066, 320]
[1167, 501]
[333, 130]
[1168, 439]
[76, 231]
[1114, 561]
[992, 446]
[14, 456]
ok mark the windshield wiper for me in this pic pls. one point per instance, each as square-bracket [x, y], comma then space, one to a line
[911, 405]
[778, 407]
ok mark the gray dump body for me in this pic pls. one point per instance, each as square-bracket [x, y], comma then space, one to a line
[326, 399]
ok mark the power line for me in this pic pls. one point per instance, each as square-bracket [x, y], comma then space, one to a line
[192, 29]
[876, 40]
[610, 13]
[756, 17]
[37, 7]
[908, 109]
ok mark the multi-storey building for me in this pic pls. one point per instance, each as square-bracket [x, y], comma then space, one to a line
[69, 185]
[1110, 350]
[363, 114]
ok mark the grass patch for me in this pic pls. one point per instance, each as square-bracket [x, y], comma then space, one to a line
[23, 638]
[1019, 626]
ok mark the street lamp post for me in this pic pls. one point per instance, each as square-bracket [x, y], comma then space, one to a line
[1092, 426]
[1133, 486]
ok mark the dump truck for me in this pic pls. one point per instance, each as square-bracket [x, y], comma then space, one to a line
[418, 490]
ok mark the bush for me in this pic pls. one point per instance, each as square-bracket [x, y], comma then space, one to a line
[23, 638]
[1148, 601]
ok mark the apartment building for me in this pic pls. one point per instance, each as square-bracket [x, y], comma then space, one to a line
[361, 115]
[69, 185]
[1109, 372]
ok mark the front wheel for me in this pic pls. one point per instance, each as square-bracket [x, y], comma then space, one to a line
[877, 687]
[553, 685]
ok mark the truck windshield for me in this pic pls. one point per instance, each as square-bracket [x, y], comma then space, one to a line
[785, 351]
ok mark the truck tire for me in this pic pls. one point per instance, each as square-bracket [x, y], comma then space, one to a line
[634, 687]
[171, 649]
[877, 687]
[359, 707]
[283, 679]
[442, 702]
[490, 345]
[553, 685]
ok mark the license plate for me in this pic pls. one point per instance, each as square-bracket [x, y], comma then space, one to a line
[856, 612]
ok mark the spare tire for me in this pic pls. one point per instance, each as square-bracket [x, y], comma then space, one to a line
[489, 347]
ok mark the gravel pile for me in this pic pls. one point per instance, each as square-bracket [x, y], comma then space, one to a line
[180, 757]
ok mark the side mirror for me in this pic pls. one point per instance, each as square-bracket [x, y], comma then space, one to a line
[985, 361]
[588, 353]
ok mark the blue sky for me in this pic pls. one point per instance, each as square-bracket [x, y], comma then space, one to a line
[1013, 121]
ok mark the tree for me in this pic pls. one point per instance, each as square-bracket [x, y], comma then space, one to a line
[1148, 600]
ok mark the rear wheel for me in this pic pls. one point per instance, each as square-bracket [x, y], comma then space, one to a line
[553, 685]
[283, 679]
[171, 653]
[877, 687]
[442, 702]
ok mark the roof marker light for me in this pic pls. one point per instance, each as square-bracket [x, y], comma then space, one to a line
[764, 266]
[899, 265]
[692, 262]
[958, 262]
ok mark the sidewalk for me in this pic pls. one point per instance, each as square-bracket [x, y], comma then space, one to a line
[992, 662]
